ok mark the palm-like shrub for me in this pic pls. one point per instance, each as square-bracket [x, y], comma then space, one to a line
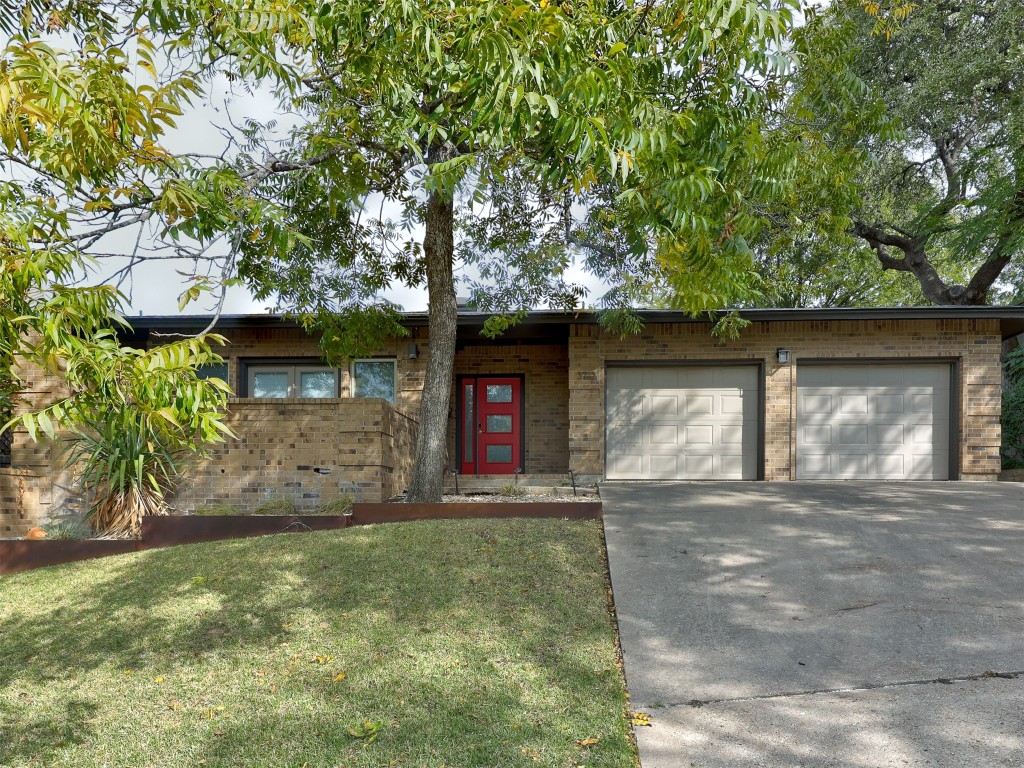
[133, 419]
[125, 469]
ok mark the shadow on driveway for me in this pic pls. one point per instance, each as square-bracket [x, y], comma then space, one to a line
[728, 592]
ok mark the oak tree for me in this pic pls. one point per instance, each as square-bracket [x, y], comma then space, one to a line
[912, 122]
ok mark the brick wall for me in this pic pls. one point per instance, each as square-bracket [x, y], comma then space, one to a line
[545, 391]
[37, 488]
[19, 501]
[545, 366]
[975, 342]
[283, 343]
[366, 444]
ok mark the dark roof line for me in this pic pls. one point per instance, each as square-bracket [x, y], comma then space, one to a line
[547, 316]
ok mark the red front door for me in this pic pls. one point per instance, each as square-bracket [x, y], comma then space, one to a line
[490, 425]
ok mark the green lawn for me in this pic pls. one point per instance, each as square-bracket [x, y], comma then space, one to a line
[471, 643]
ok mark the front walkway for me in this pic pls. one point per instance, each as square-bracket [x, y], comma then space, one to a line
[849, 625]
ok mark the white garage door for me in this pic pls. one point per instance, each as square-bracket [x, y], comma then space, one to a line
[888, 422]
[682, 423]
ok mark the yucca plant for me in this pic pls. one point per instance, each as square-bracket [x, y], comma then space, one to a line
[68, 529]
[133, 420]
[126, 468]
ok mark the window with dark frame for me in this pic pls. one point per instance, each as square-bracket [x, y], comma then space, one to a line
[374, 377]
[276, 381]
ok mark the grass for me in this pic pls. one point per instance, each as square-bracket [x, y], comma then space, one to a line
[282, 505]
[442, 643]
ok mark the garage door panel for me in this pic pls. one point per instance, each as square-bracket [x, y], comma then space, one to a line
[814, 465]
[854, 434]
[920, 403]
[698, 378]
[699, 435]
[731, 434]
[852, 465]
[663, 405]
[700, 405]
[817, 435]
[731, 464]
[888, 434]
[885, 376]
[627, 408]
[699, 466]
[631, 379]
[663, 467]
[925, 465]
[892, 467]
[664, 434]
[923, 434]
[892, 422]
[886, 404]
[816, 404]
[704, 428]
[627, 465]
[732, 404]
[854, 404]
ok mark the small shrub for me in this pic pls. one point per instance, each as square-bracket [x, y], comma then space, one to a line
[512, 490]
[279, 505]
[217, 510]
[339, 506]
[1013, 411]
[69, 529]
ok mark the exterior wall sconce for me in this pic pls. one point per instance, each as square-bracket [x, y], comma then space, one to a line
[414, 351]
[782, 355]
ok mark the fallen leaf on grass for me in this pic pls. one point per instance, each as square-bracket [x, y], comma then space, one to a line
[588, 742]
[158, 679]
[641, 718]
[339, 677]
[323, 659]
[368, 730]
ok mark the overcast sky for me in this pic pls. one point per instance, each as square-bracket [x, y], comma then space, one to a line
[155, 286]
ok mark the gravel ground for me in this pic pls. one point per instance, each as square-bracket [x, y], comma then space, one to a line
[477, 498]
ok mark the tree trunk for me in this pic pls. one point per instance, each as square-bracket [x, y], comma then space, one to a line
[432, 442]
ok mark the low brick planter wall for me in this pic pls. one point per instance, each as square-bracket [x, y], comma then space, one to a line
[22, 555]
[369, 514]
[1012, 475]
[170, 530]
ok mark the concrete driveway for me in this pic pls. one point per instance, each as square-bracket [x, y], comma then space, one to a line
[840, 625]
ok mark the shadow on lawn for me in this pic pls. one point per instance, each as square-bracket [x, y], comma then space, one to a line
[538, 600]
[39, 738]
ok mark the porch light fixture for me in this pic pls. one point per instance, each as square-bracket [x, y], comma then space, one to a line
[782, 355]
[414, 351]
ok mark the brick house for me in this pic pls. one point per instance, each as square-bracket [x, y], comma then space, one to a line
[802, 394]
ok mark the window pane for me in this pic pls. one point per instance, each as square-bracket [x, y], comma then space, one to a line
[469, 426]
[213, 371]
[317, 384]
[375, 379]
[499, 423]
[266, 384]
[499, 393]
[499, 454]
